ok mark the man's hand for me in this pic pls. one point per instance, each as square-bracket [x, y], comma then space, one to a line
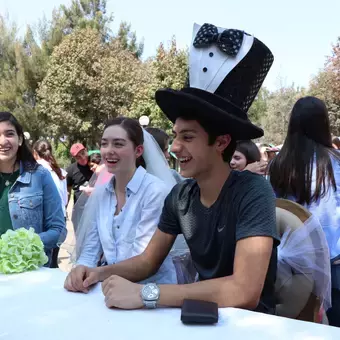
[121, 293]
[81, 278]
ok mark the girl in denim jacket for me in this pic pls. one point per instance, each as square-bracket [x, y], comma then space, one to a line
[28, 195]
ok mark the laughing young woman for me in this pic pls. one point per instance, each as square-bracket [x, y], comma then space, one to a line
[28, 195]
[121, 216]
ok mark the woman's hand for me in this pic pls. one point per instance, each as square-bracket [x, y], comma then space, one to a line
[81, 278]
[257, 167]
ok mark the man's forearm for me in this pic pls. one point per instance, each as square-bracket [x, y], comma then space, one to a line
[134, 269]
[224, 291]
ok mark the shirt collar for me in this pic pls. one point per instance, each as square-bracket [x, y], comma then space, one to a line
[135, 182]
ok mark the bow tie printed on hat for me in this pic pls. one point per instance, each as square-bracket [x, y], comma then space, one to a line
[229, 41]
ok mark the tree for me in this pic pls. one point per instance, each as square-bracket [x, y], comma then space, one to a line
[128, 40]
[87, 82]
[321, 87]
[258, 108]
[333, 70]
[24, 62]
[21, 68]
[279, 107]
[79, 14]
[168, 69]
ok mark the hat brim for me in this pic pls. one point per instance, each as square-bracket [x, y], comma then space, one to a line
[176, 104]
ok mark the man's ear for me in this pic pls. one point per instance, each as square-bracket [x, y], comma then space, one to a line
[139, 151]
[222, 142]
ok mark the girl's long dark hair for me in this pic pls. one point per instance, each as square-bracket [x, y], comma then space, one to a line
[308, 144]
[250, 151]
[44, 150]
[24, 154]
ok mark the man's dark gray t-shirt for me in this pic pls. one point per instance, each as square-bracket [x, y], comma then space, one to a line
[244, 208]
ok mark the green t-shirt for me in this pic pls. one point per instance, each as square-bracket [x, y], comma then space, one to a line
[5, 217]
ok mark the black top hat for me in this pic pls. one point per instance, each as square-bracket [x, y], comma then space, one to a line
[226, 71]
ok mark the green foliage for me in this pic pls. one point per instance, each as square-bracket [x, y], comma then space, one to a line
[322, 86]
[79, 14]
[62, 154]
[25, 62]
[87, 82]
[21, 69]
[168, 69]
[20, 251]
[128, 40]
[279, 107]
[258, 109]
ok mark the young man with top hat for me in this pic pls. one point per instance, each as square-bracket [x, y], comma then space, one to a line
[227, 217]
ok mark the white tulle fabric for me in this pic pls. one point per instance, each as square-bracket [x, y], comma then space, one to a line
[85, 208]
[305, 251]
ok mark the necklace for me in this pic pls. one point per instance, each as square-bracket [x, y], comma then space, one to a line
[8, 180]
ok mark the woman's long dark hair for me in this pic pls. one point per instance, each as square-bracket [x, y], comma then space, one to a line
[133, 130]
[44, 150]
[24, 154]
[308, 143]
[250, 151]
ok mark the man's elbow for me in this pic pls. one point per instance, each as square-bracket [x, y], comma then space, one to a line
[251, 301]
[245, 297]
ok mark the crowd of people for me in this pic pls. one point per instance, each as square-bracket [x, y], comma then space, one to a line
[134, 217]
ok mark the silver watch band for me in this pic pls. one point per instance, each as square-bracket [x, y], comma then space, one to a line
[150, 304]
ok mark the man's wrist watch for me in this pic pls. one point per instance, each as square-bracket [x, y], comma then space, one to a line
[150, 295]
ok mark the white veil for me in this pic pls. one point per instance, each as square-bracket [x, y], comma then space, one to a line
[86, 207]
[304, 252]
[155, 161]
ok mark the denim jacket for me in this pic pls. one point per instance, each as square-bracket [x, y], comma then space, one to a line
[34, 202]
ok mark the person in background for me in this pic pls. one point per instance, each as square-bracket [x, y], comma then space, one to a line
[42, 152]
[307, 170]
[95, 159]
[247, 157]
[28, 196]
[162, 139]
[271, 152]
[78, 173]
[268, 152]
[96, 167]
[336, 143]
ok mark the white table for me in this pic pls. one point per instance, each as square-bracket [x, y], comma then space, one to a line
[35, 306]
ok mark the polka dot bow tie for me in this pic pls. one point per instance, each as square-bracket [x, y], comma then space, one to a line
[229, 41]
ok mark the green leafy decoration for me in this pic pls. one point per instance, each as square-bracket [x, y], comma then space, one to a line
[20, 251]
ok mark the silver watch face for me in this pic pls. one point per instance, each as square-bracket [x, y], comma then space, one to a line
[150, 292]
